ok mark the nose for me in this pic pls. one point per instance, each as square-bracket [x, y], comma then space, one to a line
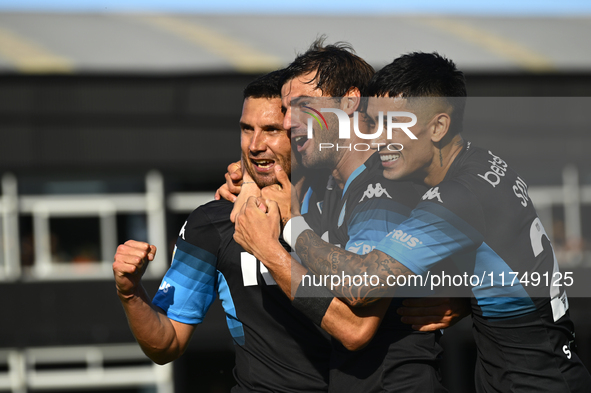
[287, 119]
[258, 142]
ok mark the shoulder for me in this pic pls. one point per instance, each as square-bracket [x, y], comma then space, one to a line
[454, 203]
[214, 212]
[488, 176]
[207, 225]
[378, 189]
[480, 167]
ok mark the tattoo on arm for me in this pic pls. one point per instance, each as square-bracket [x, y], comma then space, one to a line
[326, 259]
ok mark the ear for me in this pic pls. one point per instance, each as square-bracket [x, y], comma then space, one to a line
[350, 102]
[440, 124]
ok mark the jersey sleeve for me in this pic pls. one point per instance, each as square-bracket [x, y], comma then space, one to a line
[371, 221]
[449, 220]
[189, 286]
[311, 210]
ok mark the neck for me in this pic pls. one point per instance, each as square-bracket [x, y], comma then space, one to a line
[299, 187]
[444, 156]
[348, 163]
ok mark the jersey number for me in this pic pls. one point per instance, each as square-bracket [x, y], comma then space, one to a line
[249, 270]
[558, 302]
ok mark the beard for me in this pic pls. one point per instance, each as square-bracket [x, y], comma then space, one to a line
[264, 180]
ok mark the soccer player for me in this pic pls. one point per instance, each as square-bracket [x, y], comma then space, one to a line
[477, 212]
[397, 358]
[277, 348]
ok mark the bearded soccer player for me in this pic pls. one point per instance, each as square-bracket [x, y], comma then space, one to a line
[277, 348]
[472, 214]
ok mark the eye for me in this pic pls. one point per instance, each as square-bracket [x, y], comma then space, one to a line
[302, 104]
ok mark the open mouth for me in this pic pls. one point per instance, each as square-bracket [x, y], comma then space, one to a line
[389, 158]
[263, 165]
[300, 142]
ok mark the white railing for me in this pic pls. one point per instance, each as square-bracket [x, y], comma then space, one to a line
[105, 207]
[60, 368]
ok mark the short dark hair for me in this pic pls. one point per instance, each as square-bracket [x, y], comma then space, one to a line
[266, 86]
[421, 74]
[338, 68]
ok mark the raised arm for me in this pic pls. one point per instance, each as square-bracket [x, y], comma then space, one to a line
[354, 328]
[161, 338]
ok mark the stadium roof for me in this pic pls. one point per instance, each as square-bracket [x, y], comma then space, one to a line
[54, 42]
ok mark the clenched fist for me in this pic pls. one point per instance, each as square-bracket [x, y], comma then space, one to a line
[131, 261]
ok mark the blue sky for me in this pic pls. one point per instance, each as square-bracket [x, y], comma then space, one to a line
[313, 7]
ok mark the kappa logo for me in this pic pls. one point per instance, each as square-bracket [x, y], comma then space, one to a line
[182, 232]
[376, 191]
[432, 194]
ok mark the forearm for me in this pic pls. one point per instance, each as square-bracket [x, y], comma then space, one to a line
[153, 331]
[354, 328]
[286, 272]
[324, 259]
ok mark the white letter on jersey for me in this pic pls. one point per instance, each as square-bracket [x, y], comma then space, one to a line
[558, 302]
[249, 269]
[164, 287]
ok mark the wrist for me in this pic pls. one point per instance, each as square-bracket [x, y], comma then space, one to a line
[293, 229]
[127, 297]
[273, 254]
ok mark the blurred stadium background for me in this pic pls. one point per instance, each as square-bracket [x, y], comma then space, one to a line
[118, 119]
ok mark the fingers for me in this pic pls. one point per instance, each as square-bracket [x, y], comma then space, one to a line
[135, 253]
[427, 314]
[224, 192]
[261, 205]
[251, 203]
[256, 203]
[121, 268]
[235, 171]
[428, 323]
[272, 208]
[152, 253]
[430, 327]
[233, 180]
[144, 248]
[440, 310]
[130, 262]
[139, 247]
[282, 177]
